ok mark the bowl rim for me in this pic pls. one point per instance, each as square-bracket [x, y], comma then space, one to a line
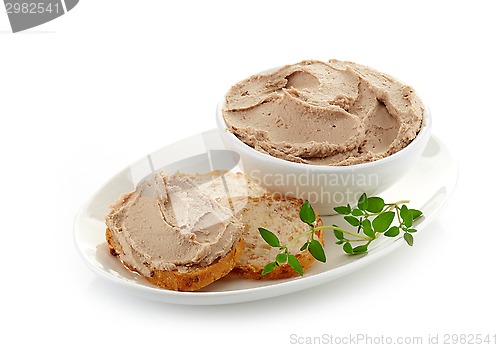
[241, 146]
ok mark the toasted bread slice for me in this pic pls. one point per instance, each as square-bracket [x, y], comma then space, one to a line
[195, 278]
[173, 234]
[281, 216]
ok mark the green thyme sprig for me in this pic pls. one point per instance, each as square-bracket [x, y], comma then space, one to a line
[371, 217]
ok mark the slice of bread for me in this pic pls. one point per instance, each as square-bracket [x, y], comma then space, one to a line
[280, 216]
[193, 279]
[173, 234]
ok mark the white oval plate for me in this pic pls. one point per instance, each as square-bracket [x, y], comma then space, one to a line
[428, 185]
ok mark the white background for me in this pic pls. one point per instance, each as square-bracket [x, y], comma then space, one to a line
[87, 94]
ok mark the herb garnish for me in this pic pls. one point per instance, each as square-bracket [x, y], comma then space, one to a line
[372, 218]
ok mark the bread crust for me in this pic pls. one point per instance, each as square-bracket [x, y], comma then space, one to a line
[195, 278]
[254, 271]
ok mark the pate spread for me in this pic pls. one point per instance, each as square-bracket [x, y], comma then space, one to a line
[324, 113]
[168, 223]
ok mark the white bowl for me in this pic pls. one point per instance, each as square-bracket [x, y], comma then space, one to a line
[324, 186]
